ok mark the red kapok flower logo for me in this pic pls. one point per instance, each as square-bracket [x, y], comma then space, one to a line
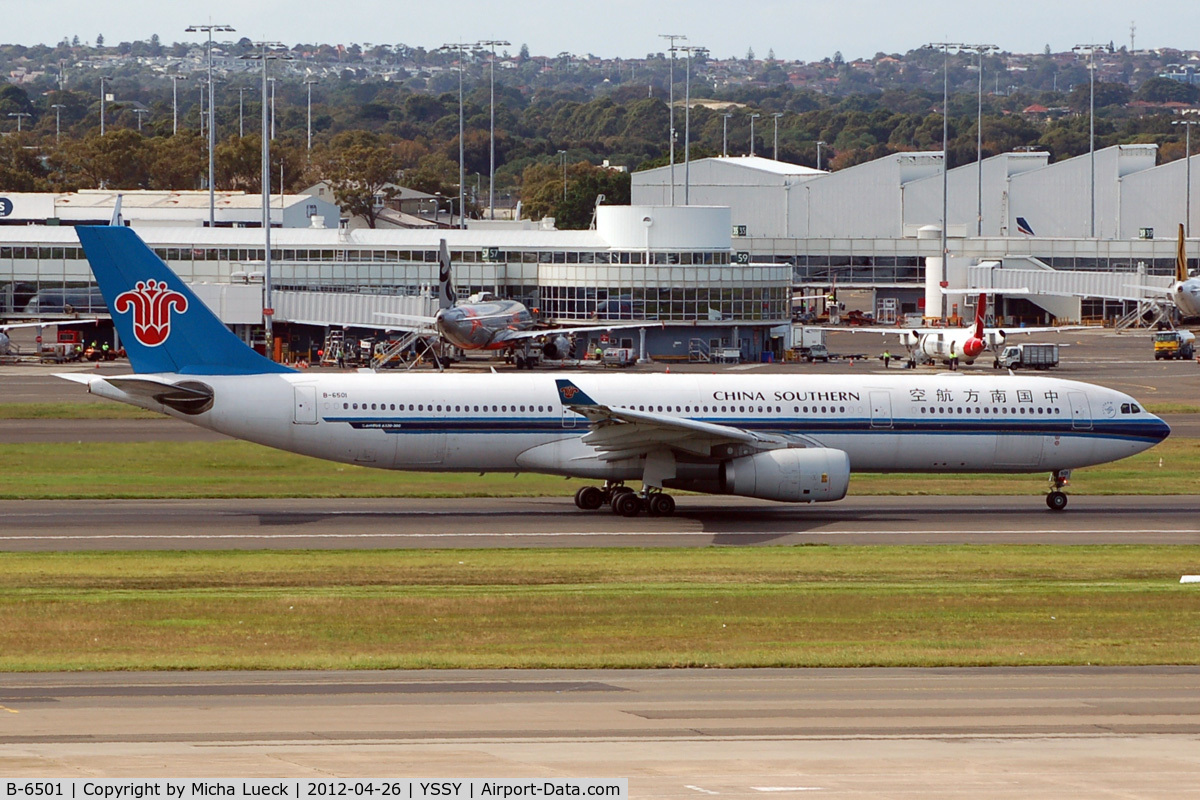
[151, 303]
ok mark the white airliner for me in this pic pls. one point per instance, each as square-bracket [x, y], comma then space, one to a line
[794, 438]
[954, 345]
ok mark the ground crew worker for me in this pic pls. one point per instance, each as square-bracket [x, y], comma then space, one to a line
[887, 359]
[599, 353]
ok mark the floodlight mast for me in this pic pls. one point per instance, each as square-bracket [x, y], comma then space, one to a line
[492, 44]
[687, 120]
[175, 79]
[309, 82]
[461, 47]
[1091, 49]
[212, 198]
[980, 49]
[268, 51]
[1187, 158]
[945, 48]
[671, 37]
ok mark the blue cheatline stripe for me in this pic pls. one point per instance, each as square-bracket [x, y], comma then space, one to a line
[1133, 431]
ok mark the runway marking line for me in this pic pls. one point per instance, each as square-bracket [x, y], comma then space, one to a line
[698, 789]
[787, 788]
[562, 534]
[9, 710]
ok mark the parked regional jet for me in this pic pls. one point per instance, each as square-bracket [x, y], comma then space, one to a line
[794, 438]
[488, 323]
[954, 345]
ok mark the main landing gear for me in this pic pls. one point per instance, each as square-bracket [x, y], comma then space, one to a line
[625, 501]
[1056, 498]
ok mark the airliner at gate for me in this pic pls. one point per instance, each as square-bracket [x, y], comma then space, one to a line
[793, 438]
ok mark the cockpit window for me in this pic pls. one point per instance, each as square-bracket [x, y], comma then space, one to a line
[1124, 408]
[1134, 408]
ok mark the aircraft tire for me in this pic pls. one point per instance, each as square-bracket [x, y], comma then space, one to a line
[589, 498]
[1056, 500]
[661, 505]
[627, 504]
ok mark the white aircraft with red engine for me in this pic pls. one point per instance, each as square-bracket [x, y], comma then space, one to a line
[953, 346]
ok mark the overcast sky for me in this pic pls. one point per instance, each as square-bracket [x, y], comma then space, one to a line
[794, 29]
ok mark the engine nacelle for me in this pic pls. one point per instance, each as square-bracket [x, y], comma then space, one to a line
[556, 347]
[794, 475]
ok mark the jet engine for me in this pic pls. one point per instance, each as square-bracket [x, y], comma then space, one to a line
[556, 347]
[794, 475]
[973, 346]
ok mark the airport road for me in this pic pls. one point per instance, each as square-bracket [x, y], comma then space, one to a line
[981, 733]
[34, 525]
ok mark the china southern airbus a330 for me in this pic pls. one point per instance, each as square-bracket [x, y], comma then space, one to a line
[793, 438]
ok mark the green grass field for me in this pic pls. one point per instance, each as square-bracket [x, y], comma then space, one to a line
[726, 607]
[241, 469]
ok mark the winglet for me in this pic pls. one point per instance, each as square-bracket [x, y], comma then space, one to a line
[572, 395]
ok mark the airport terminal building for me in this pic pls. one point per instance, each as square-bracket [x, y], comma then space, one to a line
[869, 228]
[672, 265]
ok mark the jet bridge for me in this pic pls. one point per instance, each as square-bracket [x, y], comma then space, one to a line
[1061, 292]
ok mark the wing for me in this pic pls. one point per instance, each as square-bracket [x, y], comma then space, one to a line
[410, 321]
[512, 335]
[620, 433]
[46, 324]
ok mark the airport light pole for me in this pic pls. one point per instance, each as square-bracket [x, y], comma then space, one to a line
[272, 82]
[979, 49]
[141, 112]
[671, 37]
[820, 144]
[687, 121]
[776, 117]
[308, 82]
[461, 47]
[725, 135]
[492, 43]
[19, 115]
[563, 153]
[58, 107]
[241, 107]
[1091, 49]
[175, 79]
[752, 118]
[103, 78]
[268, 51]
[212, 197]
[1187, 158]
[945, 48]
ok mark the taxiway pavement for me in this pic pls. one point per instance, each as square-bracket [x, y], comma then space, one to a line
[930, 733]
[222, 524]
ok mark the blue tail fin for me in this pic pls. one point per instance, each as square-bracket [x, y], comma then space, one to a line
[163, 326]
[572, 395]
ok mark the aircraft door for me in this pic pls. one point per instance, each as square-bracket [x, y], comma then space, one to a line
[881, 410]
[1081, 411]
[305, 412]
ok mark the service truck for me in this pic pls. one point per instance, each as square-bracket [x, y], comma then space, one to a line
[808, 344]
[1174, 344]
[1027, 356]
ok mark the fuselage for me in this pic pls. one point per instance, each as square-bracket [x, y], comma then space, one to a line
[499, 422]
[483, 326]
[1187, 298]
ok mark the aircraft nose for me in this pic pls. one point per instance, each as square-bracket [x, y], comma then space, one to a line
[1158, 429]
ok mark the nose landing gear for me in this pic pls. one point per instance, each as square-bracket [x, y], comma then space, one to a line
[1056, 498]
